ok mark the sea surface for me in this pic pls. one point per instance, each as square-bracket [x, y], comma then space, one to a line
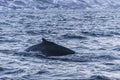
[93, 35]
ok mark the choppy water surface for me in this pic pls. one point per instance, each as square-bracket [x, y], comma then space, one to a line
[94, 35]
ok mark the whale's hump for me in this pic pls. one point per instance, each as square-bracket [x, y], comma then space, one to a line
[49, 48]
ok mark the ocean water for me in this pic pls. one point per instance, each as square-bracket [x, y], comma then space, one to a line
[93, 35]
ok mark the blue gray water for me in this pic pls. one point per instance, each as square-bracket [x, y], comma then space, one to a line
[94, 35]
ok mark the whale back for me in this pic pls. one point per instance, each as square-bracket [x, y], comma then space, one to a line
[50, 49]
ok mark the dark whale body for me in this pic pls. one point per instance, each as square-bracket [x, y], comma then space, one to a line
[50, 49]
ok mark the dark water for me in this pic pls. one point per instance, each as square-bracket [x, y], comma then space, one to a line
[94, 35]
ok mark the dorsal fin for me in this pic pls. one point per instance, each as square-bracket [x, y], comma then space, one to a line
[44, 40]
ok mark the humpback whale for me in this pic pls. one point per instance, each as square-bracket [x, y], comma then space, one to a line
[49, 48]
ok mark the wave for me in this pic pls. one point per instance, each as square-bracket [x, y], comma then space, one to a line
[77, 57]
[73, 36]
[97, 34]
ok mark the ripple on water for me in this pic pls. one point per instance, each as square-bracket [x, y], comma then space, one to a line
[2, 69]
[97, 34]
[7, 71]
[18, 71]
[42, 72]
[73, 36]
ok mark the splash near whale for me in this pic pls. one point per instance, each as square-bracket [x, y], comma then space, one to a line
[49, 48]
